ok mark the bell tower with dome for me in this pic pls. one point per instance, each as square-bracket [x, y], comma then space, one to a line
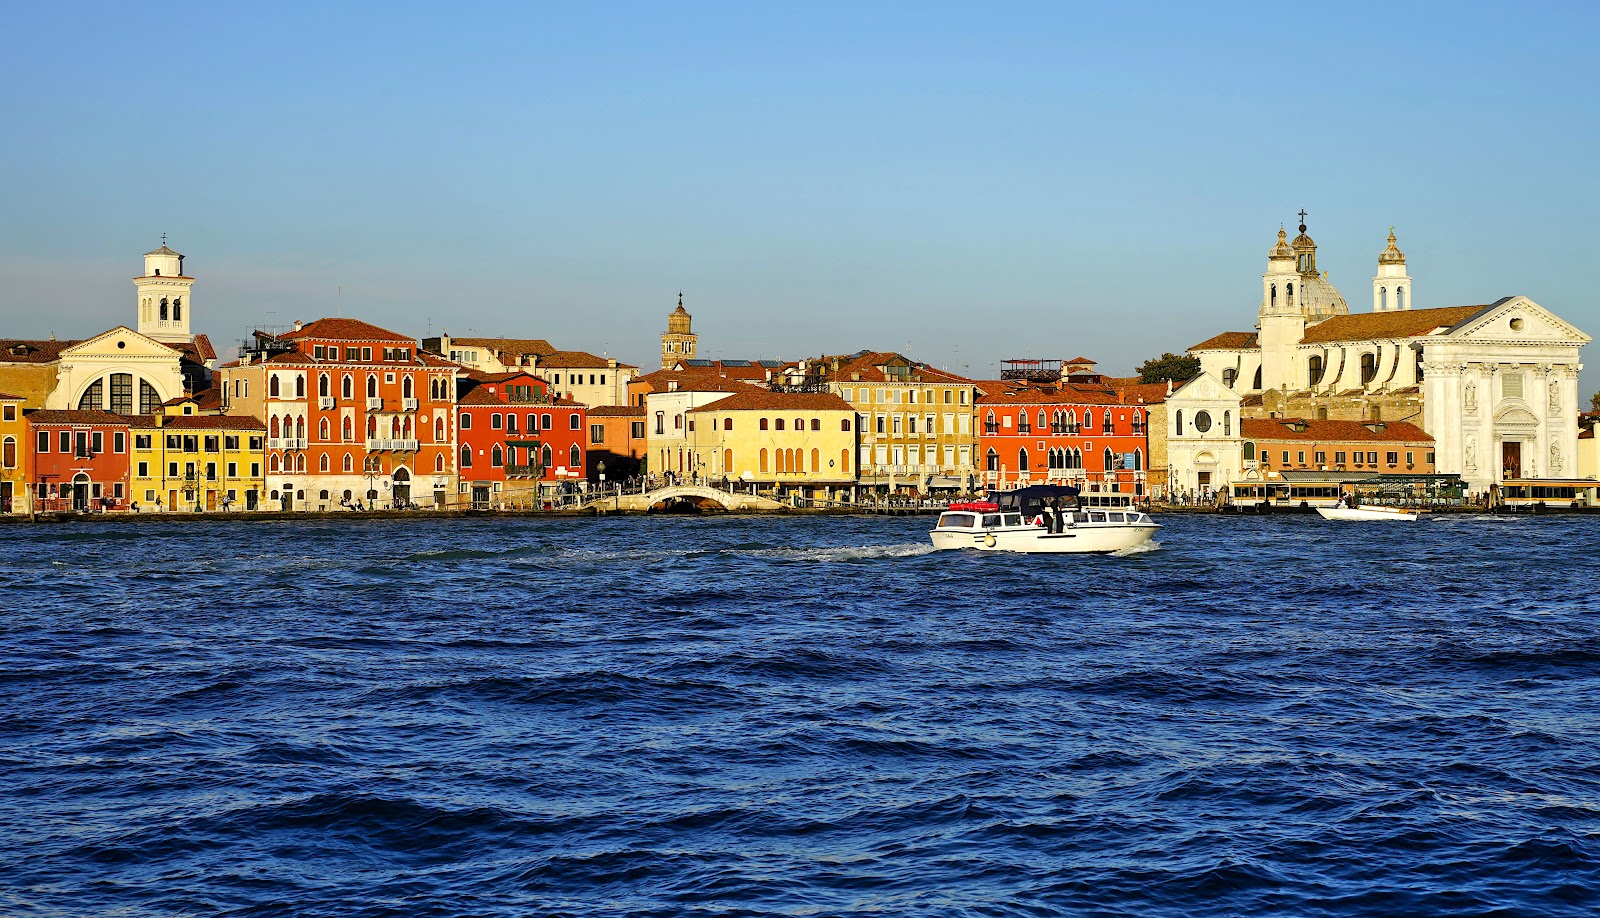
[1281, 323]
[163, 289]
[678, 342]
[1391, 288]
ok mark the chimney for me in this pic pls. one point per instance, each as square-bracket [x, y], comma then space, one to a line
[297, 325]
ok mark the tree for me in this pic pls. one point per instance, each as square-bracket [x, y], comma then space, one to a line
[1594, 402]
[1170, 366]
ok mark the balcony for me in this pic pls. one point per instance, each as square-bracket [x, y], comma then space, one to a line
[374, 403]
[1065, 430]
[398, 446]
[534, 398]
[991, 429]
[274, 443]
[291, 443]
[1024, 430]
[524, 471]
[326, 402]
[408, 404]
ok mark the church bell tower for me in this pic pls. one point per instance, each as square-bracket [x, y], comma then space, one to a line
[1391, 288]
[164, 306]
[678, 342]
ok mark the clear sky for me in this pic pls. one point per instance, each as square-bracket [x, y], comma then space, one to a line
[967, 182]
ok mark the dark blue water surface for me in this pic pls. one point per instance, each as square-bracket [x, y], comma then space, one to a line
[809, 717]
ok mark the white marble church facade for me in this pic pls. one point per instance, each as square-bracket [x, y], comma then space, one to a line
[1496, 385]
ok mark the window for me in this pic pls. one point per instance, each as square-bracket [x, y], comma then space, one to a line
[348, 387]
[10, 413]
[816, 423]
[1372, 458]
[1369, 368]
[1314, 371]
[466, 421]
[496, 456]
[1202, 421]
[661, 423]
[1227, 423]
[8, 453]
[1338, 457]
[494, 421]
[545, 421]
[233, 470]
[763, 423]
[98, 442]
[1394, 458]
[44, 441]
[366, 354]
[299, 386]
[844, 424]
[1300, 457]
[1320, 458]
[1430, 458]
[778, 424]
[574, 457]
[1249, 452]
[1178, 427]
[1022, 459]
[1285, 457]
[272, 386]
[597, 433]
[575, 422]
[636, 429]
[1229, 377]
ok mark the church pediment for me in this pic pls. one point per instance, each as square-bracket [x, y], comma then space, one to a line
[1203, 388]
[1518, 319]
[120, 343]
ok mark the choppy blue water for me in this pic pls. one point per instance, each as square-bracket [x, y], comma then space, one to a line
[818, 717]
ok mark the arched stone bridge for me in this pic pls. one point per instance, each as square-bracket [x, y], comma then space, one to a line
[700, 495]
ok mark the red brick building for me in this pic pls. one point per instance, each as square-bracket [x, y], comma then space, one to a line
[517, 444]
[79, 460]
[1087, 435]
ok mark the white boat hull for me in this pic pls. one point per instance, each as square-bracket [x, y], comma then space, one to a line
[1368, 513]
[1082, 539]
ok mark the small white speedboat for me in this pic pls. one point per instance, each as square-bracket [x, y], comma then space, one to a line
[1368, 513]
[1020, 521]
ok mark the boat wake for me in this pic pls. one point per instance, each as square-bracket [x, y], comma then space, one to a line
[1139, 549]
[851, 553]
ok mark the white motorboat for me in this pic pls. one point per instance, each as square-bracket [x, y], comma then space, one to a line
[1024, 521]
[1342, 512]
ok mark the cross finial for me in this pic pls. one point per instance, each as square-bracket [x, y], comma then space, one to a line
[680, 297]
[1302, 215]
[163, 238]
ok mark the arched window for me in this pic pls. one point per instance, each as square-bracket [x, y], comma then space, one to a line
[727, 462]
[300, 428]
[780, 461]
[272, 427]
[323, 385]
[466, 457]
[8, 453]
[300, 462]
[1229, 377]
[349, 462]
[777, 423]
[1178, 425]
[1274, 294]
[177, 309]
[272, 385]
[91, 399]
[1315, 371]
[574, 422]
[544, 457]
[405, 386]
[438, 429]
[844, 424]
[1227, 423]
[163, 309]
[299, 386]
[816, 423]
[1289, 293]
[1088, 418]
[1022, 459]
[1257, 384]
[322, 463]
[347, 431]
[799, 423]
[1041, 418]
[844, 459]
[1383, 298]
[1138, 460]
[1109, 460]
[497, 456]
[372, 385]
[1399, 297]
[574, 459]
[763, 455]
[349, 387]
[1369, 368]
[272, 462]
[991, 461]
[323, 429]
[438, 462]
[1249, 451]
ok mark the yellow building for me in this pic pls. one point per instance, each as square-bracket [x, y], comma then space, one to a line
[190, 462]
[13, 455]
[780, 441]
[916, 421]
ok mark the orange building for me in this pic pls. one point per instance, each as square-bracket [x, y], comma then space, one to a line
[1273, 445]
[79, 460]
[1085, 435]
[617, 438]
[354, 413]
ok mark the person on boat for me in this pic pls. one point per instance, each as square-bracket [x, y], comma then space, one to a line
[1055, 509]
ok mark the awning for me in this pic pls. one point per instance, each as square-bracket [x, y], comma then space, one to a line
[1550, 483]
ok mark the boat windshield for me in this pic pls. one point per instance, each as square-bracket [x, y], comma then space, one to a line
[991, 520]
[1013, 519]
[958, 520]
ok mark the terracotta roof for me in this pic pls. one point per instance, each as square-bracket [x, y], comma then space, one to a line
[691, 381]
[1078, 361]
[294, 357]
[617, 411]
[1229, 341]
[577, 360]
[200, 348]
[867, 364]
[434, 360]
[477, 395]
[754, 399]
[1399, 323]
[12, 398]
[55, 416]
[1134, 391]
[35, 351]
[338, 329]
[204, 422]
[515, 346]
[1006, 392]
[1331, 431]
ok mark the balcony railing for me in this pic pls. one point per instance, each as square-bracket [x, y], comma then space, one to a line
[374, 403]
[1024, 430]
[408, 404]
[399, 446]
[294, 442]
[532, 398]
[326, 402]
[991, 429]
[524, 471]
[1065, 430]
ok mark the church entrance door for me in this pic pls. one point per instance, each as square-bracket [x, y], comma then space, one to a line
[1511, 456]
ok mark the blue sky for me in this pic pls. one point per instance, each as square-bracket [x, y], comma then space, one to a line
[969, 181]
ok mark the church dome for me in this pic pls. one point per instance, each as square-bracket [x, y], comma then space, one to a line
[1320, 299]
[1302, 241]
[1392, 255]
